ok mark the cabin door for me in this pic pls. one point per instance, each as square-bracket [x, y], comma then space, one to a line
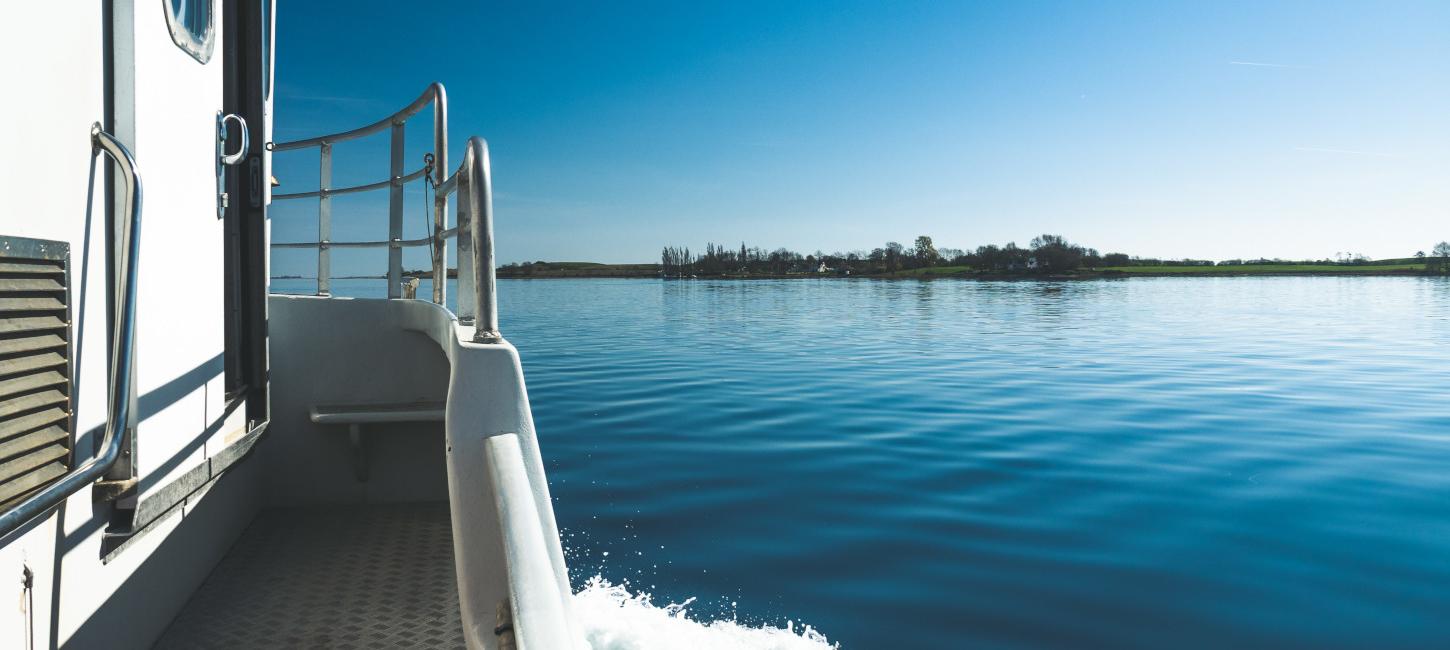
[248, 94]
[169, 97]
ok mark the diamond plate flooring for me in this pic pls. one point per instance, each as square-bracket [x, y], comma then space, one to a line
[342, 577]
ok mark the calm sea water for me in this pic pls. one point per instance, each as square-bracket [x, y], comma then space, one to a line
[1203, 462]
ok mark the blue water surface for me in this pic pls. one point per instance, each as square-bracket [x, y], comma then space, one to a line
[1170, 462]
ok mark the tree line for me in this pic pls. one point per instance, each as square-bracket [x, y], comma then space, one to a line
[1044, 254]
[1047, 253]
[1439, 259]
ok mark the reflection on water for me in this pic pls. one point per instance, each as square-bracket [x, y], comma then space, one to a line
[1146, 462]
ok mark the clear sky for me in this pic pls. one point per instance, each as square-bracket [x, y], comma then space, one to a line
[1206, 130]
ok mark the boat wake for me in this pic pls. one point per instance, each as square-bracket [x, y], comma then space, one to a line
[615, 619]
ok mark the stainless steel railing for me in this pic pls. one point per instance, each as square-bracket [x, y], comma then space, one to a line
[472, 183]
[122, 350]
[397, 178]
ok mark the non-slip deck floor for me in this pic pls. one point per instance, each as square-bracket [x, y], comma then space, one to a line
[344, 577]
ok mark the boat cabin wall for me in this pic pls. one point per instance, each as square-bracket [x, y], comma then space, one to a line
[338, 352]
[72, 64]
[54, 93]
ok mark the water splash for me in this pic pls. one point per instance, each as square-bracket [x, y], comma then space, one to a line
[615, 619]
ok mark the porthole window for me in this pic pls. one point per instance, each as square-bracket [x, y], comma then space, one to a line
[191, 26]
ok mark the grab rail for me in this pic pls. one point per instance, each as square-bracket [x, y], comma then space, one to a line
[472, 181]
[122, 351]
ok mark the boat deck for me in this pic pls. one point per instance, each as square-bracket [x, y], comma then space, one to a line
[378, 576]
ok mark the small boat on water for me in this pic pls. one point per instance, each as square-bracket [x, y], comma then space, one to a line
[187, 461]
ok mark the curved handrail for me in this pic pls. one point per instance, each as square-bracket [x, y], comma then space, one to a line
[480, 215]
[122, 351]
[434, 92]
[398, 177]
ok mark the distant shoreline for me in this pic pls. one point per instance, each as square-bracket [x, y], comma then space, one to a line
[605, 271]
[983, 277]
[940, 273]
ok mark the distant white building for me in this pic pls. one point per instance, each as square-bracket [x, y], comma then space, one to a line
[1031, 262]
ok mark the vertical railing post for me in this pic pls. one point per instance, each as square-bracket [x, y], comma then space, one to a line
[440, 205]
[464, 191]
[395, 214]
[324, 221]
[480, 206]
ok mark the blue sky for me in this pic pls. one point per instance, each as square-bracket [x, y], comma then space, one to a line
[1207, 130]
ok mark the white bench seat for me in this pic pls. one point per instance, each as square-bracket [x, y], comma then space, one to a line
[356, 415]
[376, 413]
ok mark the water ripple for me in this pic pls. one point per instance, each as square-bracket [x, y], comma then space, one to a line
[1184, 462]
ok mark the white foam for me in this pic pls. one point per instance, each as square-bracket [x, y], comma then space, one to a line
[615, 619]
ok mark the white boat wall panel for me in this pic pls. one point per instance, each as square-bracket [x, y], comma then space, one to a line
[53, 77]
[179, 333]
[56, 75]
[179, 338]
[158, 571]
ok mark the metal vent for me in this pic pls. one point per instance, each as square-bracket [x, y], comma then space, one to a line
[35, 367]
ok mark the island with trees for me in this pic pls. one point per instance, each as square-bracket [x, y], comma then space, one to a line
[1046, 256]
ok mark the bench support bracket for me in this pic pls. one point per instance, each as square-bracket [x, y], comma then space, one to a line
[359, 452]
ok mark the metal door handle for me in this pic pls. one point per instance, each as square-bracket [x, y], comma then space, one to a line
[223, 159]
[221, 134]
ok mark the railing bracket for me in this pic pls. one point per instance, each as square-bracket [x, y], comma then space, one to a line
[504, 628]
[113, 489]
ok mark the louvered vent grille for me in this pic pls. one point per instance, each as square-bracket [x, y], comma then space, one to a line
[35, 404]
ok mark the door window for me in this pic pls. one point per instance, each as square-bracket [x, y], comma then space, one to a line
[191, 26]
